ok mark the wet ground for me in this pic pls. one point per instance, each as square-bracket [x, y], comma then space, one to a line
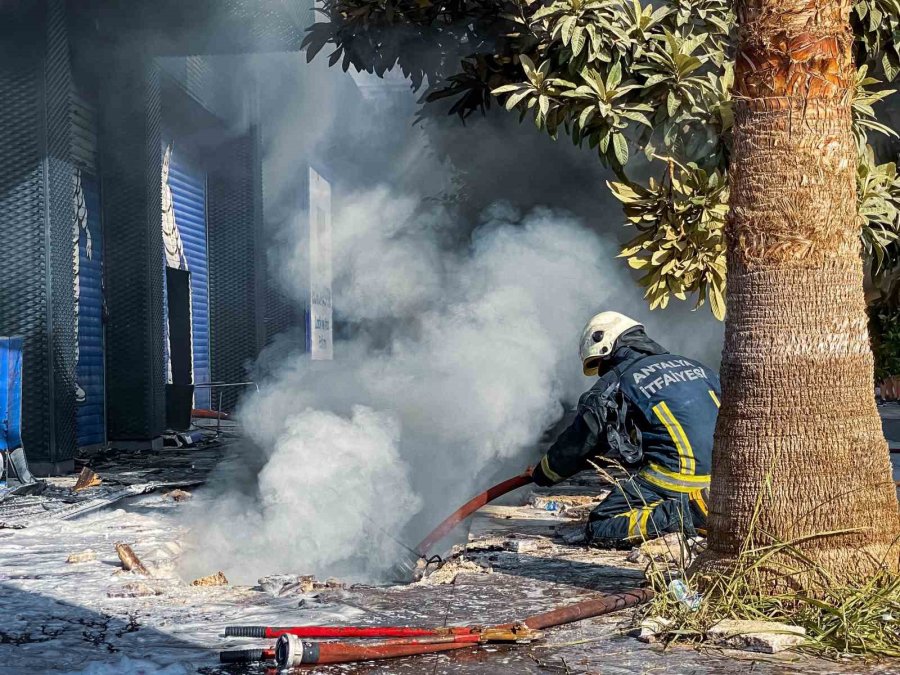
[90, 617]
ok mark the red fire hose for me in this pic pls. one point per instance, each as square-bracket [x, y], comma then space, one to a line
[471, 507]
[291, 650]
[345, 631]
[209, 414]
[588, 609]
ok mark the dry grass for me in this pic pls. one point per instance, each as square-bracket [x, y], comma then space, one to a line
[841, 620]
[859, 620]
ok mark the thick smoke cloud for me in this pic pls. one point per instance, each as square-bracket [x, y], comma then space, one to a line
[454, 358]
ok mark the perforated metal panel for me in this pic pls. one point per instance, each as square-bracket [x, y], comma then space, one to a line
[131, 161]
[23, 300]
[60, 219]
[188, 187]
[84, 133]
[236, 291]
[36, 234]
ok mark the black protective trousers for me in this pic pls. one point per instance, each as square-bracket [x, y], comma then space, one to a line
[636, 510]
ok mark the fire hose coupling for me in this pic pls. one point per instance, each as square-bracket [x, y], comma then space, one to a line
[510, 632]
[517, 632]
[291, 651]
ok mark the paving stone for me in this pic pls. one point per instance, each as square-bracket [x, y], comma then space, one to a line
[767, 637]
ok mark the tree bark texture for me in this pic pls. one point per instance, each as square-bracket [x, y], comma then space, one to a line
[799, 440]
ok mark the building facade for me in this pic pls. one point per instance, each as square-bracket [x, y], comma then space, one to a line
[131, 194]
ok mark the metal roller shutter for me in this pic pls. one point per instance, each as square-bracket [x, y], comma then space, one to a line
[189, 199]
[90, 372]
[91, 411]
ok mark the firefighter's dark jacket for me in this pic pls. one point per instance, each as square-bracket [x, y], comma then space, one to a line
[649, 409]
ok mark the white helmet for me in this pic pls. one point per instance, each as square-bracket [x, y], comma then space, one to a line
[599, 338]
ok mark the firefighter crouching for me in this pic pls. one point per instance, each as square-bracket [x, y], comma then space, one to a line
[655, 413]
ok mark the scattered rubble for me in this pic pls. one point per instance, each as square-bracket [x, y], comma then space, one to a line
[551, 502]
[86, 479]
[276, 583]
[178, 495]
[130, 562]
[508, 543]
[525, 545]
[446, 572]
[135, 589]
[652, 628]
[217, 579]
[572, 535]
[281, 584]
[82, 557]
[569, 506]
[767, 637]
[484, 544]
[672, 548]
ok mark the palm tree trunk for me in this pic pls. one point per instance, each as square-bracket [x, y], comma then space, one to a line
[799, 438]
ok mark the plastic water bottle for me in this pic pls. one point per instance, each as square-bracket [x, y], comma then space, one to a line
[684, 595]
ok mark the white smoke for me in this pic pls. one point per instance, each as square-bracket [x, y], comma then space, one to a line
[455, 365]
[457, 341]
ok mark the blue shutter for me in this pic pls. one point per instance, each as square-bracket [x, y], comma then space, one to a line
[10, 394]
[90, 416]
[189, 197]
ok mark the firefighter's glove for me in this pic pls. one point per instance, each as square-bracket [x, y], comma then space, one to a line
[540, 478]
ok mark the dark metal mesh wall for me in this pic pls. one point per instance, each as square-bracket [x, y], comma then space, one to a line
[36, 299]
[23, 300]
[131, 163]
[282, 314]
[235, 291]
[60, 221]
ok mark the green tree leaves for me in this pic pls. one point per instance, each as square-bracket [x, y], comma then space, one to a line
[878, 189]
[680, 248]
[625, 78]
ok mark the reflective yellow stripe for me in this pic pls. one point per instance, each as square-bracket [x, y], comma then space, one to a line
[674, 482]
[645, 515]
[634, 528]
[700, 502]
[682, 444]
[550, 473]
[637, 519]
[696, 479]
[632, 516]
[715, 398]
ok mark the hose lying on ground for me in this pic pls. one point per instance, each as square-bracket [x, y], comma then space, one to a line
[291, 650]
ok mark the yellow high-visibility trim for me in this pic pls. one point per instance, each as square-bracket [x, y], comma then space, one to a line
[634, 528]
[700, 502]
[632, 516]
[672, 481]
[695, 479]
[715, 398]
[637, 519]
[645, 516]
[686, 460]
[550, 473]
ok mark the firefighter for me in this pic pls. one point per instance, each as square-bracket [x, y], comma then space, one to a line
[653, 412]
